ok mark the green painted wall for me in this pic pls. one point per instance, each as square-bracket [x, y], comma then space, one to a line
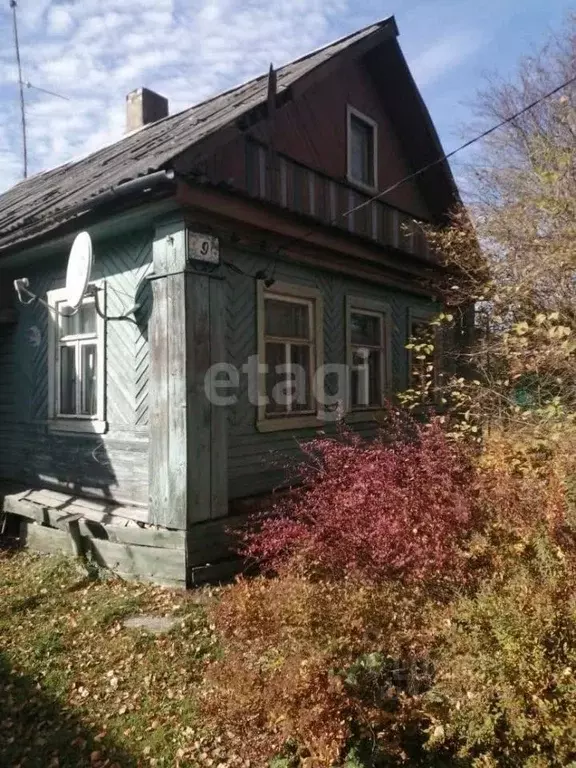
[256, 459]
[113, 465]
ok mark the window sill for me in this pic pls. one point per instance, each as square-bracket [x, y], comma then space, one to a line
[84, 426]
[375, 414]
[289, 423]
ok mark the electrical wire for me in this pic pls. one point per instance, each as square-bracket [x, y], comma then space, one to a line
[420, 171]
[466, 144]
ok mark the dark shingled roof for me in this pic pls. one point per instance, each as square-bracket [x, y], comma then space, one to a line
[42, 202]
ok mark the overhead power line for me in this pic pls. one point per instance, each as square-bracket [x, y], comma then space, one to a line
[420, 171]
[466, 144]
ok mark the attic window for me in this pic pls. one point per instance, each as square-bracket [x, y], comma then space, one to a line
[362, 150]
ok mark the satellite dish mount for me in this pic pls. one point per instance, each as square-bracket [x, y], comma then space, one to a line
[78, 274]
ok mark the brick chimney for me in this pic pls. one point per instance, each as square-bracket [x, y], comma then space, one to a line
[143, 106]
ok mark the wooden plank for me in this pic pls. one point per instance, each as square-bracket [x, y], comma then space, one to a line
[24, 508]
[20, 504]
[139, 561]
[48, 540]
[159, 403]
[152, 563]
[198, 334]
[142, 537]
[49, 498]
[219, 414]
[128, 534]
[176, 467]
[99, 510]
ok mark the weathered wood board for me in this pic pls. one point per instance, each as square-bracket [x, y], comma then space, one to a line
[153, 564]
[56, 523]
[50, 541]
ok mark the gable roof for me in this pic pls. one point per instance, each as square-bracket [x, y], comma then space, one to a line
[43, 202]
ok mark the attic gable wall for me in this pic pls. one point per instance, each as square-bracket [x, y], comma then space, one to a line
[313, 130]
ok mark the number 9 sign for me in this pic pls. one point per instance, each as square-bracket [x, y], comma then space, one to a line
[203, 248]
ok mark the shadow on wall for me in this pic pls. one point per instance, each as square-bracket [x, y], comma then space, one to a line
[36, 732]
[82, 463]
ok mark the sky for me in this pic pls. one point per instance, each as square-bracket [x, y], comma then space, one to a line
[94, 52]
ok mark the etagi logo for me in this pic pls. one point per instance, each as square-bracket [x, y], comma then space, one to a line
[292, 388]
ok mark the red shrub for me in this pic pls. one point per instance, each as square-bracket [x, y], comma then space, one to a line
[374, 509]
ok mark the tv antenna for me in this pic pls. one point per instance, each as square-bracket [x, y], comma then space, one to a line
[14, 7]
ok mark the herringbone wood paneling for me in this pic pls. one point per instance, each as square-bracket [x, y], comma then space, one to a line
[257, 461]
[114, 465]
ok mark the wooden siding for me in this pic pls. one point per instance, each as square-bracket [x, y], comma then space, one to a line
[114, 465]
[311, 133]
[257, 460]
[308, 192]
[309, 173]
[312, 130]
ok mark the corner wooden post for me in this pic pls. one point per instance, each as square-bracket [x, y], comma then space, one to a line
[188, 434]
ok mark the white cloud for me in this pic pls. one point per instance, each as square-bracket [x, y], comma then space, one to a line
[60, 20]
[95, 51]
[443, 55]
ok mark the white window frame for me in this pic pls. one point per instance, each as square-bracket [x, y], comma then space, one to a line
[76, 422]
[352, 112]
[299, 294]
[366, 306]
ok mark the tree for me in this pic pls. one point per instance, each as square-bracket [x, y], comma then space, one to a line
[513, 251]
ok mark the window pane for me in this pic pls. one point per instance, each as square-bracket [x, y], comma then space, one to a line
[300, 364]
[89, 369]
[362, 151]
[287, 319]
[67, 320]
[87, 318]
[275, 359]
[366, 378]
[365, 329]
[68, 380]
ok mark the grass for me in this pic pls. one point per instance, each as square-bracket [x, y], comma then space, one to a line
[79, 689]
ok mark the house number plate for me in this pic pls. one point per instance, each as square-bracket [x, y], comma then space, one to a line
[203, 248]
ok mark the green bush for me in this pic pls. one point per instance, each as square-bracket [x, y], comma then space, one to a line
[505, 688]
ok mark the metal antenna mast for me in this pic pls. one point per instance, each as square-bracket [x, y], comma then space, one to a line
[13, 5]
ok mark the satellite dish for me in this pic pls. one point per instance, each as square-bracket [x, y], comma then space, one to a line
[79, 269]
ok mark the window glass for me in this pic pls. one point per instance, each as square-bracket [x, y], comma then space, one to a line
[66, 320]
[300, 358]
[76, 374]
[68, 380]
[87, 318]
[365, 329]
[289, 349]
[287, 319]
[366, 378]
[368, 358]
[89, 358]
[361, 151]
[275, 359]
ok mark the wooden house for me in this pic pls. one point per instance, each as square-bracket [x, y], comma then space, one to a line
[240, 231]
